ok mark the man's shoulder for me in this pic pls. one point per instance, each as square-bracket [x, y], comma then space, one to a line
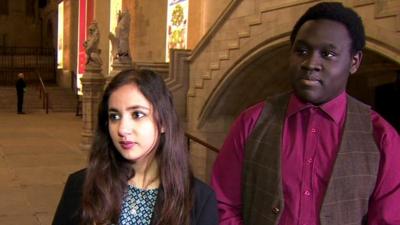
[252, 110]
[382, 128]
[256, 109]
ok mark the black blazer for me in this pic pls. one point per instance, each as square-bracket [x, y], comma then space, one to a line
[204, 211]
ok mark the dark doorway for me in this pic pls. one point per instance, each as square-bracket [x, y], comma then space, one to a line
[387, 101]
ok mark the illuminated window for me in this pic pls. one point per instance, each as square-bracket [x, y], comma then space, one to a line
[60, 35]
[177, 25]
[116, 7]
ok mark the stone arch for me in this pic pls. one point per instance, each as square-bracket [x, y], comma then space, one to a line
[237, 74]
[229, 98]
[221, 67]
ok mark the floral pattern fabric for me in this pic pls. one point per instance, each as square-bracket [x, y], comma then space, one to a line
[138, 206]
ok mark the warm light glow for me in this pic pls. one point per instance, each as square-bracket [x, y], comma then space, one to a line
[177, 25]
[60, 35]
[115, 7]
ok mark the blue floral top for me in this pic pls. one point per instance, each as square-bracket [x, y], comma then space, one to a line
[138, 206]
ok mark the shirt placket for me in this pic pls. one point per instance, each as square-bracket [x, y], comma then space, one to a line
[307, 194]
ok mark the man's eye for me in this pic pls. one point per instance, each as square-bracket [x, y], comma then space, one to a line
[328, 54]
[301, 51]
[113, 117]
[137, 115]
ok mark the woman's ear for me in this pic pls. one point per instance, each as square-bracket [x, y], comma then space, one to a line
[162, 130]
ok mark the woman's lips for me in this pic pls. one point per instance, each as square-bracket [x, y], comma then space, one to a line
[127, 144]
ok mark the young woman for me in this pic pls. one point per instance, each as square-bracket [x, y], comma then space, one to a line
[138, 170]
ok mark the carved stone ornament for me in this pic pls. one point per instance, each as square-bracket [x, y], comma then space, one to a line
[91, 46]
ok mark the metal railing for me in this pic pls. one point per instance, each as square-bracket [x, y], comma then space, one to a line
[201, 142]
[14, 60]
[43, 94]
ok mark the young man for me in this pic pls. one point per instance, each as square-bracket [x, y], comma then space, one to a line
[315, 156]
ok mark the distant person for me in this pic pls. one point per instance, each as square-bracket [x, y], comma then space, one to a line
[138, 171]
[20, 85]
[316, 155]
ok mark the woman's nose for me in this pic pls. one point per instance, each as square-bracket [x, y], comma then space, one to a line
[125, 127]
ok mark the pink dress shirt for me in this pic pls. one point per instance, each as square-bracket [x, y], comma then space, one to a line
[311, 138]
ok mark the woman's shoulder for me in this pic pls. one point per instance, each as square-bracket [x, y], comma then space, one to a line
[78, 174]
[69, 204]
[205, 205]
[201, 188]
[76, 179]
[204, 194]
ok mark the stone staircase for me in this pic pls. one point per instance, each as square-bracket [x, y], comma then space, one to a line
[8, 99]
[60, 99]
[248, 27]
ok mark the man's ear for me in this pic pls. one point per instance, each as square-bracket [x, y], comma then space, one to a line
[356, 62]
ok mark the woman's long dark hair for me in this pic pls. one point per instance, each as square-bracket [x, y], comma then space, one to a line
[108, 172]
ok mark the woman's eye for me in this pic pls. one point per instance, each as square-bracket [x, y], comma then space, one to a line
[137, 115]
[113, 117]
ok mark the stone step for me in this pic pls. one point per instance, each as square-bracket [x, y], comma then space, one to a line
[8, 99]
[60, 99]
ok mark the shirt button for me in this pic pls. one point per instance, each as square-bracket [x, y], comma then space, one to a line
[308, 193]
[275, 210]
[309, 161]
[313, 130]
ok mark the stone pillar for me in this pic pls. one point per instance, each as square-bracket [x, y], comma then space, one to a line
[92, 88]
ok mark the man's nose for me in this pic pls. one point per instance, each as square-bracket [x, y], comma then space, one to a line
[312, 62]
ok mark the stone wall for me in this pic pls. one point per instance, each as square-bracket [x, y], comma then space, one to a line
[243, 58]
[17, 22]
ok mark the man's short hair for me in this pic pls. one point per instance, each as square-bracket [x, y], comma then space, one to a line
[335, 11]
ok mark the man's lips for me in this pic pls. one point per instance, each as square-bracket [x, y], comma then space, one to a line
[127, 144]
[310, 80]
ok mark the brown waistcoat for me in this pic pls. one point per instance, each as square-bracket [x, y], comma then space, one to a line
[351, 183]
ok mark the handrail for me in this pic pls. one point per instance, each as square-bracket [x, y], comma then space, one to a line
[201, 142]
[45, 95]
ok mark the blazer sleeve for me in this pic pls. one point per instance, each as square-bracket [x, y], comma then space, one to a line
[205, 210]
[68, 208]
